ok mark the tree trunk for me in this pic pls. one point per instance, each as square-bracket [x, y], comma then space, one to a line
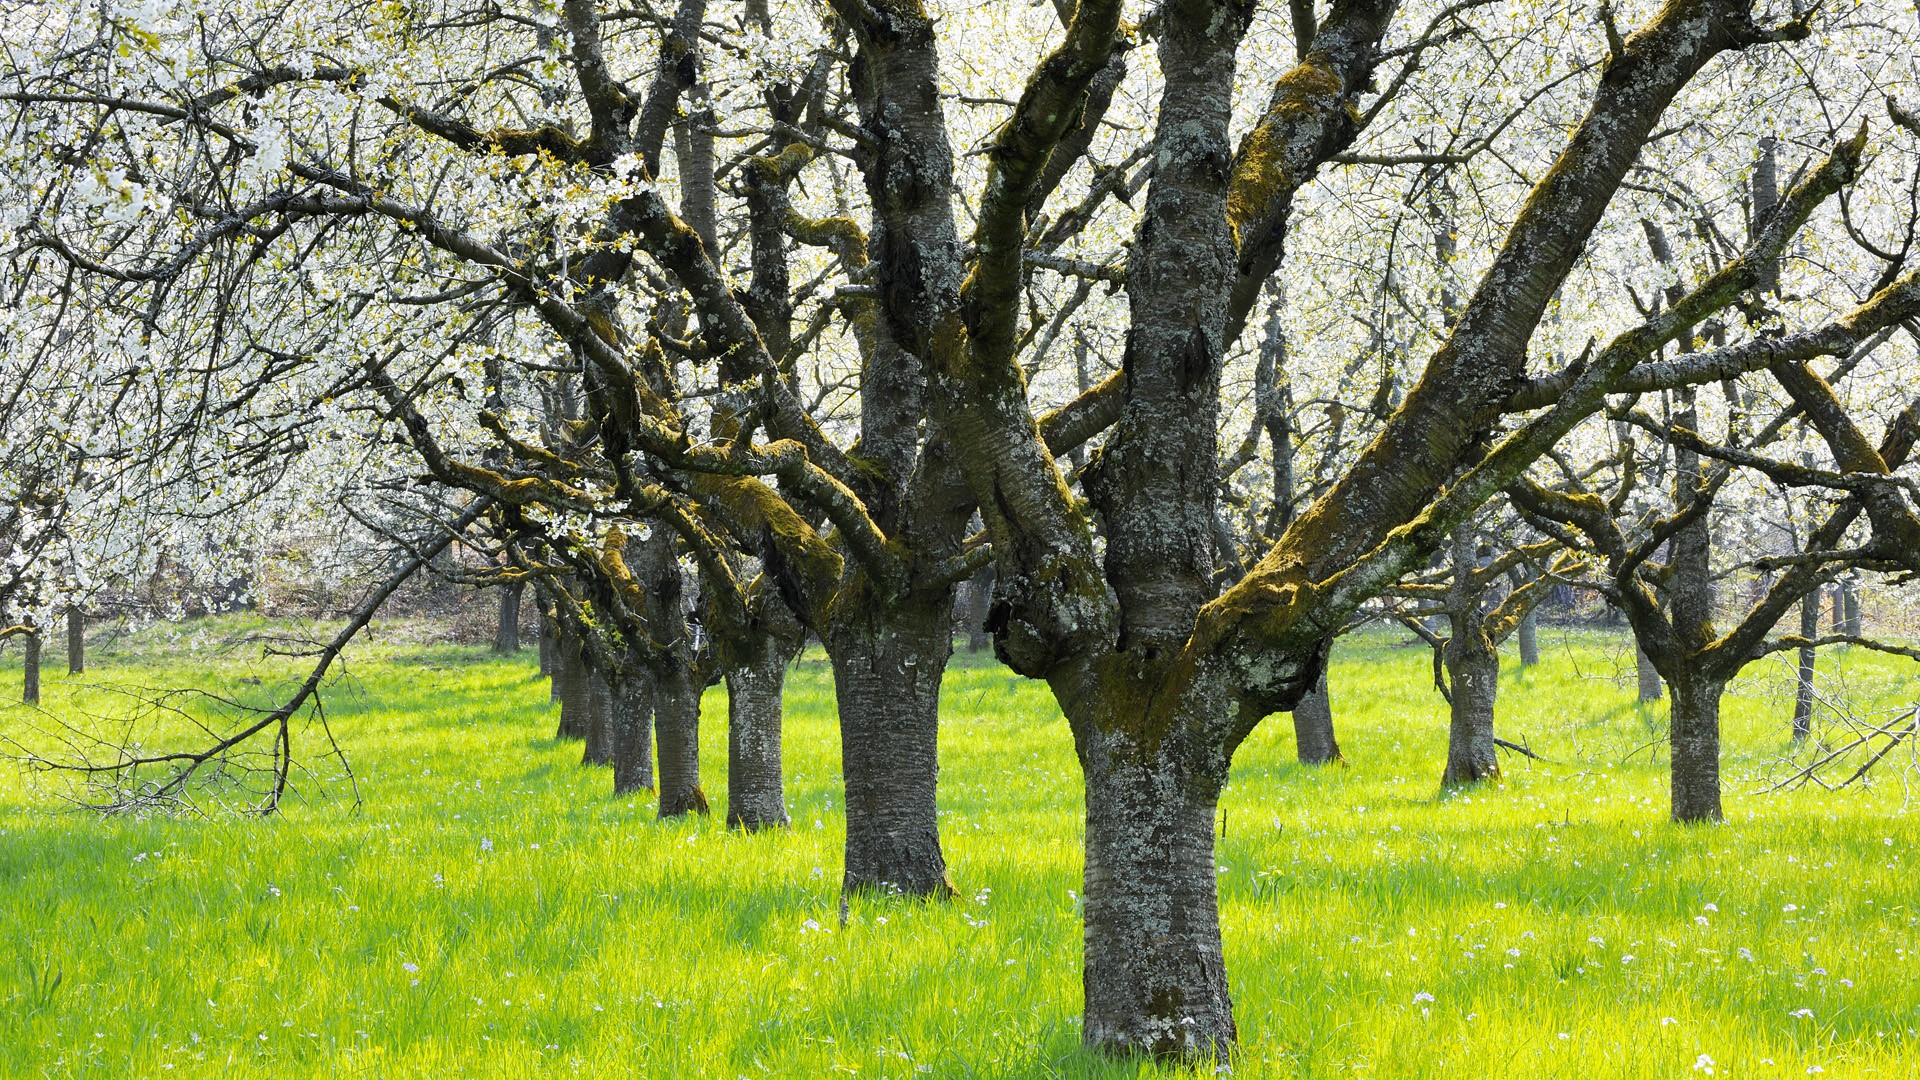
[632, 724]
[1155, 978]
[506, 639]
[570, 680]
[1838, 615]
[1474, 669]
[1803, 690]
[676, 720]
[599, 748]
[886, 676]
[756, 798]
[76, 640]
[1313, 741]
[979, 601]
[546, 650]
[1695, 735]
[1651, 688]
[1850, 603]
[30, 692]
[1529, 640]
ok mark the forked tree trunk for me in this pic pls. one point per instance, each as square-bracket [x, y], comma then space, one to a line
[30, 691]
[1803, 688]
[76, 640]
[599, 748]
[676, 721]
[632, 723]
[886, 676]
[570, 679]
[506, 637]
[1313, 741]
[1474, 669]
[1528, 639]
[1155, 978]
[756, 796]
[1651, 688]
[1695, 735]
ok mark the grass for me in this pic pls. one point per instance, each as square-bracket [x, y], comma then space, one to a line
[491, 910]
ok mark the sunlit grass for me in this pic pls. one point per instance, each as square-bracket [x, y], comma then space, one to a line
[491, 909]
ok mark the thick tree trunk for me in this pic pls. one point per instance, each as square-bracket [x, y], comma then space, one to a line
[76, 640]
[1528, 636]
[1155, 978]
[886, 676]
[1474, 669]
[676, 721]
[632, 724]
[506, 637]
[756, 797]
[570, 679]
[1313, 741]
[1696, 749]
[1651, 688]
[1803, 689]
[599, 748]
[30, 692]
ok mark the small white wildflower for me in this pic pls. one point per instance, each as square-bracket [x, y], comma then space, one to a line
[1422, 996]
[1710, 907]
[486, 844]
[1627, 959]
[1703, 1064]
[1804, 1014]
[1666, 1020]
[1701, 919]
[1498, 904]
[410, 967]
[1791, 907]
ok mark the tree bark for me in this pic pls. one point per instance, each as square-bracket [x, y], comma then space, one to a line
[1528, 636]
[570, 680]
[886, 676]
[676, 717]
[30, 691]
[1696, 749]
[1155, 977]
[1313, 741]
[632, 723]
[1474, 669]
[1651, 688]
[599, 748]
[506, 638]
[77, 640]
[1803, 689]
[546, 650]
[1850, 604]
[979, 601]
[756, 797]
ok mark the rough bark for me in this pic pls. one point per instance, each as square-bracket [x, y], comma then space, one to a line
[1803, 686]
[506, 637]
[570, 680]
[1313, 740]
[77, 640]
[1155, 978]
[599, 737]
[1696, 749]
[1473, 667]
[756, 798]
[676, 712]
[30, 691]
[632, 723]
[886, 676]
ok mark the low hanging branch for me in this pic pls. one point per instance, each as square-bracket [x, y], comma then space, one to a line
[1903, 729]
[118, 784]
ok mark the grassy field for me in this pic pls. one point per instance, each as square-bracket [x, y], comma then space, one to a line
[489, 909]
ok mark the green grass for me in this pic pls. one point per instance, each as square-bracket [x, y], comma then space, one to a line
[1560, 925]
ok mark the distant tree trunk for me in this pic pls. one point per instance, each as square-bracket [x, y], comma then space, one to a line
[599, 748]
[1803, 690]
[887, 667]
[676, 718]
[506, 639]
[1850, 601]
[632, 723]
[570, 679]
[30, 693]
[546, 648]
[1313, 741]
[756, 796]
[1838, 616]
[1651, 688]
[1696, 749]
[979, 600]
[76, 640]
[1529, 640]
